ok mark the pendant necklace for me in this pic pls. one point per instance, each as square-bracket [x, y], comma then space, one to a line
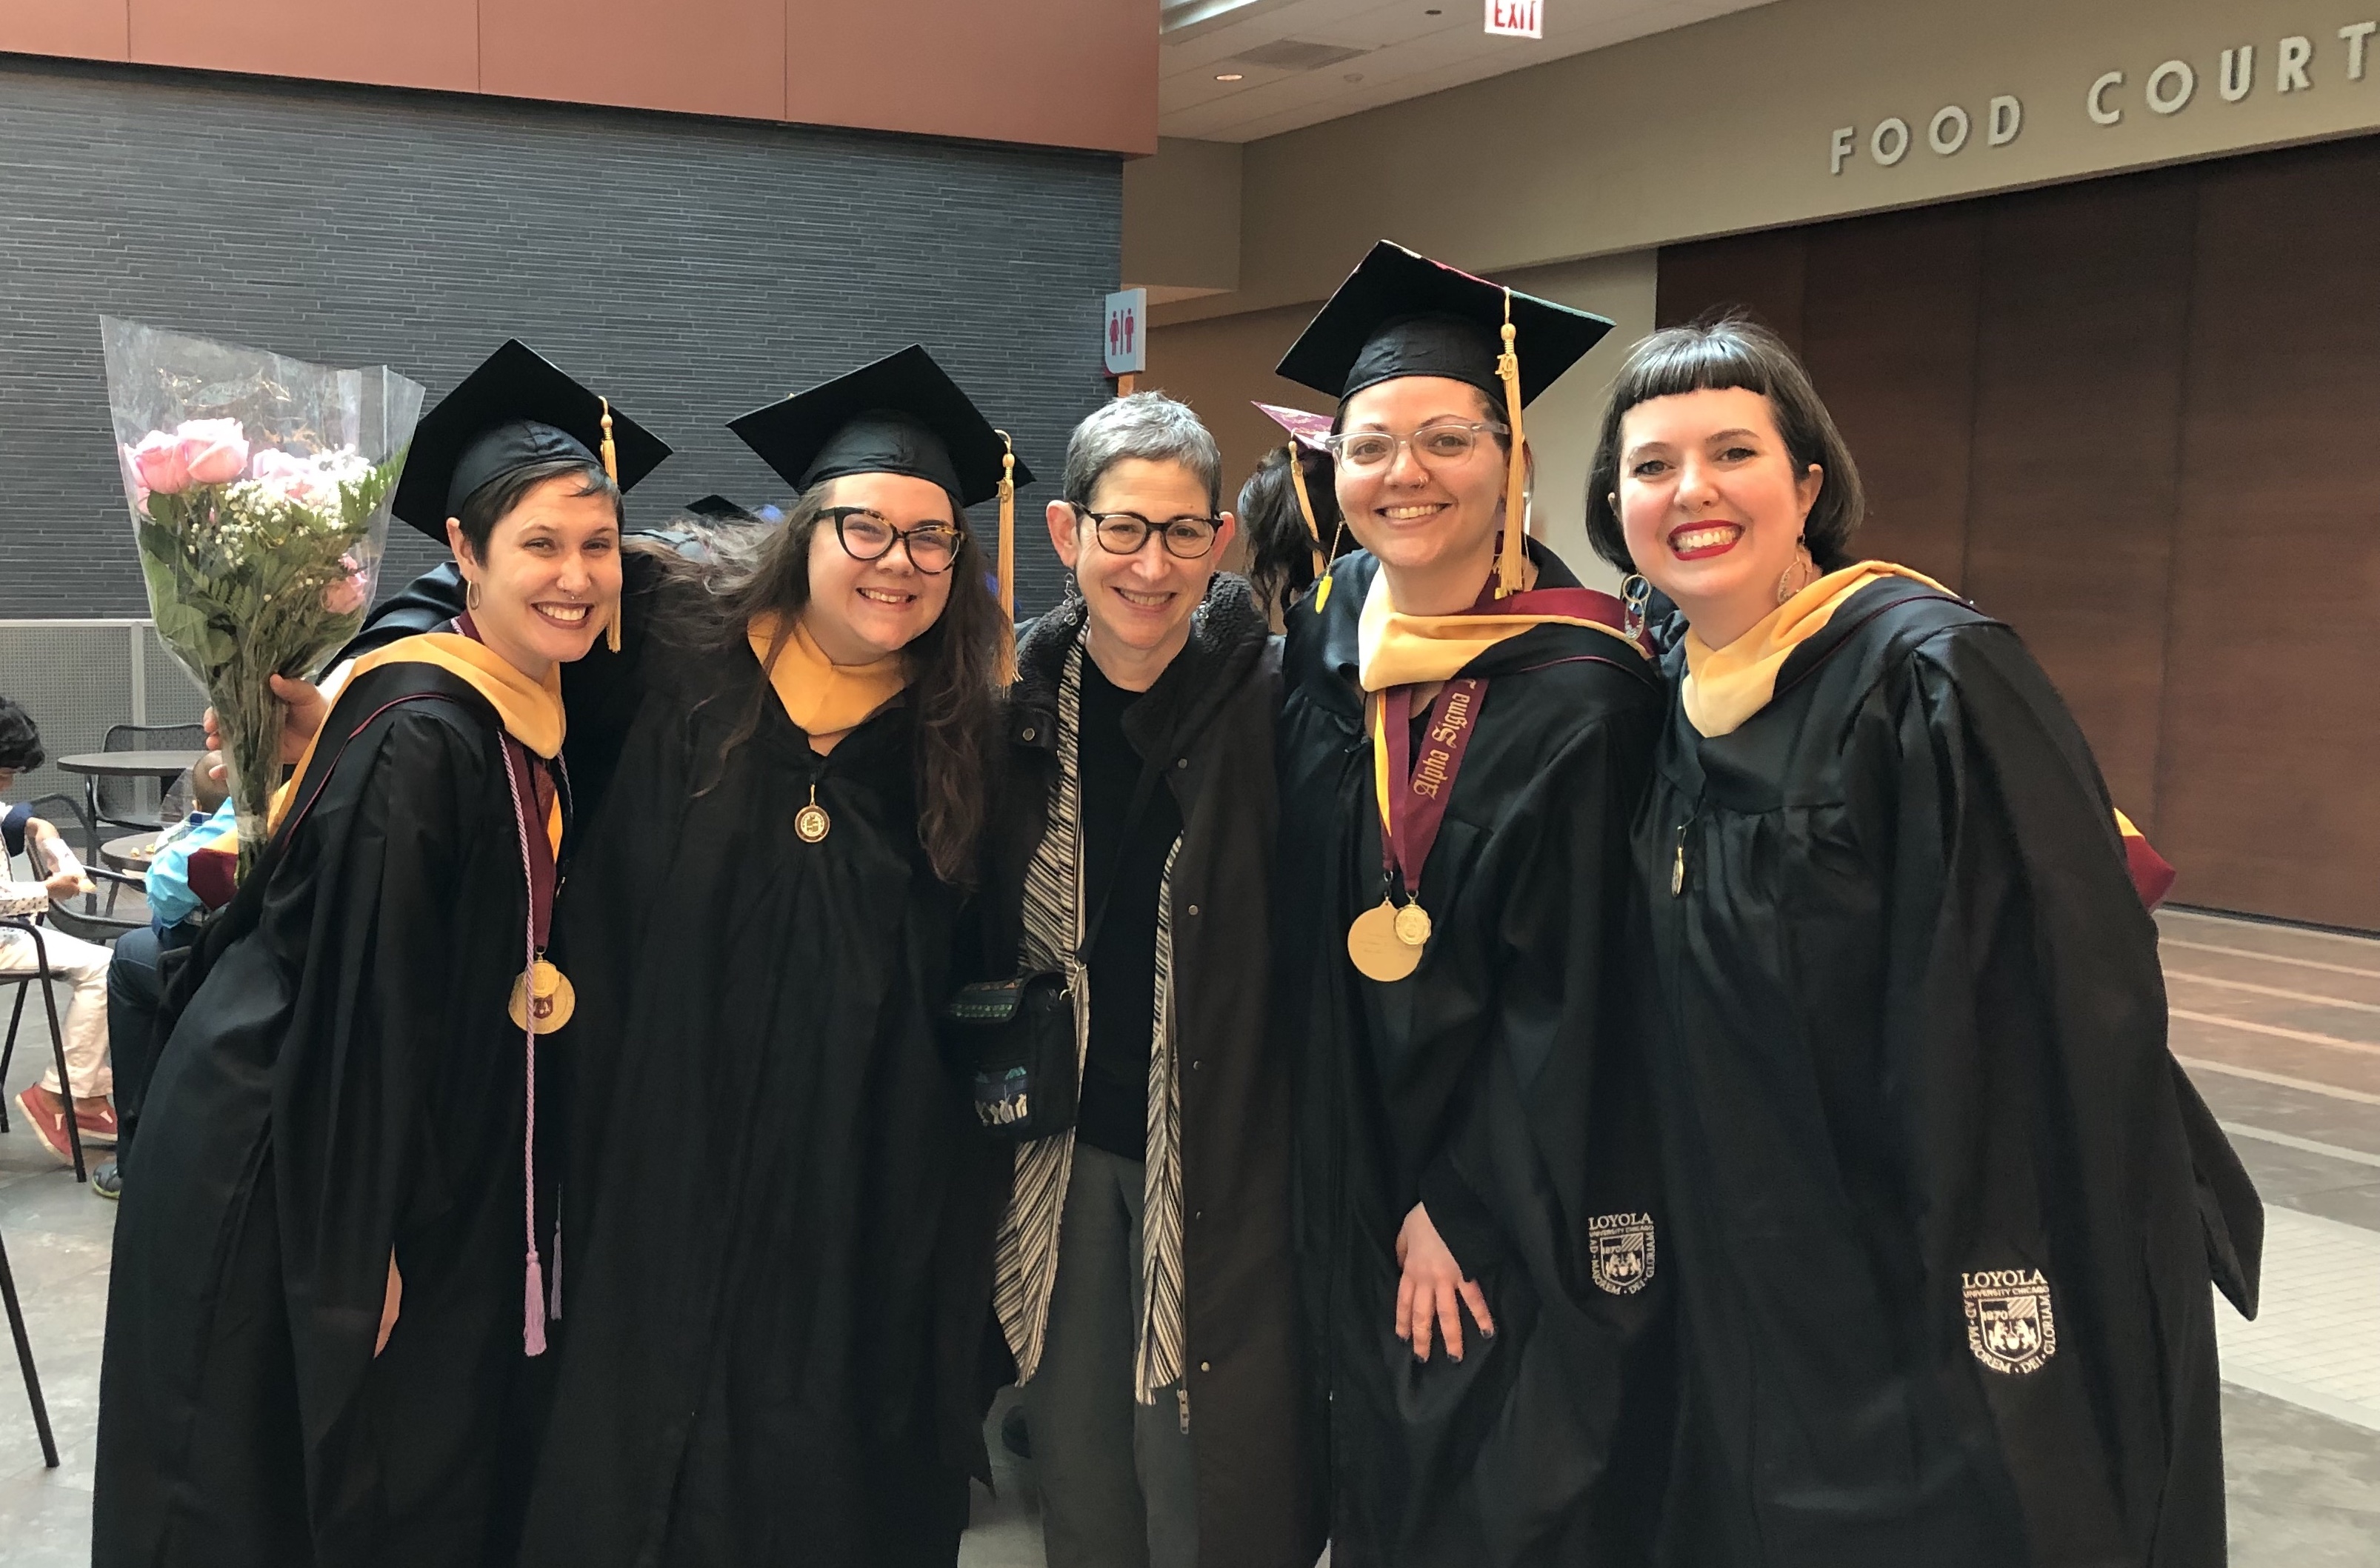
[542, 997]
[1385, 942]
[811, 824]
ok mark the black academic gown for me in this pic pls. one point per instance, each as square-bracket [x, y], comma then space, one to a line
[1942, 1269]
[1499, 1085]
[344, 1081]
[779, 1250]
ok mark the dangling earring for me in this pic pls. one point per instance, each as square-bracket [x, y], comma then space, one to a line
[1786, 586]
[612, 626]
[470, 593]
[1635, 592]
[1785, 582]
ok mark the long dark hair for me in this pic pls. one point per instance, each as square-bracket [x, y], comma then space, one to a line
[1280, 547]
[1714, 355]
[954, 667]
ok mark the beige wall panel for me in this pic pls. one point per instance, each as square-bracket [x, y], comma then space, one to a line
[1726, 127]
[429, 43]
[1181, 220]
[695, 56]
[86, 30]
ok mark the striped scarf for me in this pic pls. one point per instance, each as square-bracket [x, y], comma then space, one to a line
[1053, 920]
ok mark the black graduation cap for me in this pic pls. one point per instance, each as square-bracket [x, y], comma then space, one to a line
[516, 409]
[901, 415]
[719, 509]
[1403, 314]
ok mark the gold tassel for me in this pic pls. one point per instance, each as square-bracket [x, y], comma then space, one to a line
[1512, 561]
[1008, 552]
[1322, 557]
[609, 451]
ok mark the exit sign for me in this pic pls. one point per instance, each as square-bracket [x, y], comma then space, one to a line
[1517, 19]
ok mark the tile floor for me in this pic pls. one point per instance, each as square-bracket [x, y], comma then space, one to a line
[2280, 1027]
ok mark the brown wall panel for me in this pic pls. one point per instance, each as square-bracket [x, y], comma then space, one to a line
[425, 43]
[87, 29]
[693, 56]
[2085, 304]
[1068, 72]
[1889, 333]
[2273, 699]
[1760, 273]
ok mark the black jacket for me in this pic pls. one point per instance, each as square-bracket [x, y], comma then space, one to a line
[1212, 713]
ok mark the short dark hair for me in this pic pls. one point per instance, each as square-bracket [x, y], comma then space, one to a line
[1731, 351]
[493, 501]
[20, 739]
[1280, 547]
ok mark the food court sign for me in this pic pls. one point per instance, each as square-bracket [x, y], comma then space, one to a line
[2284, 65]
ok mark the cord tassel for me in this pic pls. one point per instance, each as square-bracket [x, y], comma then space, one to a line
[1510, 560]
[533, 1309]
[1008, 552]
[610, 449]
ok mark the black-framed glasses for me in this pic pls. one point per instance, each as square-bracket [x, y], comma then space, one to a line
[1123, 533]
[1449, 442]
[867, 536]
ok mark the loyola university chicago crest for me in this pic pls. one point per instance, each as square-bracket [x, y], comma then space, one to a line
[1619, 1252]
[2010, 1325]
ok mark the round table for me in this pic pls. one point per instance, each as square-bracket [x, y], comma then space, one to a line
[132, 852]
[162, 766]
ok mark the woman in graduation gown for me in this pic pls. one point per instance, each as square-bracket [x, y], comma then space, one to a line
[1477, 1206]
[1942, 1257]
[780, 1213]
[326, 1295]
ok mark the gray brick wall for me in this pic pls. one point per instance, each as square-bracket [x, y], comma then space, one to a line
[690, 268]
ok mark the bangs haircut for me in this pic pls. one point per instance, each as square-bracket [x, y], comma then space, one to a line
[1717, 355]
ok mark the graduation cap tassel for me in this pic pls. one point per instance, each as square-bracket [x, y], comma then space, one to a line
[1510, 560]
[609, 451]
[1008, 549]
[1322, 557]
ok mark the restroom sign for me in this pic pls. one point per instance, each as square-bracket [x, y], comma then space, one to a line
[1127, 344]
[1517, 19]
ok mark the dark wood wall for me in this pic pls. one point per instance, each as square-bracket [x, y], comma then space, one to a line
[2139, 419]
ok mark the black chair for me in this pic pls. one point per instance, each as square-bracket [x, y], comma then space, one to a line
[119, 801]
[94, 916]
[39, 974]
[25, 1361]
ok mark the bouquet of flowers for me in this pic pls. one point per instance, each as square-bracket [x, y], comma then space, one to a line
[260, 487]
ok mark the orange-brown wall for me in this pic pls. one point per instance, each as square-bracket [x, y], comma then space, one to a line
[1061, 73]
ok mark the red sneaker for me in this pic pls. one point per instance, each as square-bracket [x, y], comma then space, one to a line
[45, 1113]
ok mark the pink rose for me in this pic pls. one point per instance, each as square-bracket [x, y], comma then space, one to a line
[298, 479]
[159, 465]
[215, 451]
[346, 596]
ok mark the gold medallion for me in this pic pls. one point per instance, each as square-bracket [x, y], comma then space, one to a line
[542, 999]
[811, 824]
[1377, 949]
[1413, 925]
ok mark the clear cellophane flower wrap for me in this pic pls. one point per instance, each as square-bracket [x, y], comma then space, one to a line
[258, 487]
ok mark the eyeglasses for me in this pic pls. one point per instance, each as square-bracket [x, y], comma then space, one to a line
[865, 536]
[1123, 533]
[1432, 445]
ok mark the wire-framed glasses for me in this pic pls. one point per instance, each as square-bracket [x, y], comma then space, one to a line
[1123, 533]
[867, 536]
[1449, 442]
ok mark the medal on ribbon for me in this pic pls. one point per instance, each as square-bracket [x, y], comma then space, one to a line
[1387, 941]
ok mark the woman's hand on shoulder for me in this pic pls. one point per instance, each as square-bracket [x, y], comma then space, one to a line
[1431, 1288]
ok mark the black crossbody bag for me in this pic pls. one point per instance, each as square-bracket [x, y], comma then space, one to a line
[1019, 1033]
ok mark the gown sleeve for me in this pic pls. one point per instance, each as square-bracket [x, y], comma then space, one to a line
[2044, 1128]
[356, 1166]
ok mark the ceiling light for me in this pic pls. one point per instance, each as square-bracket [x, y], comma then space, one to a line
[1230, 76]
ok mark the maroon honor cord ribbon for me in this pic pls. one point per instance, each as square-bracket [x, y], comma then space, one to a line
[1419, 790]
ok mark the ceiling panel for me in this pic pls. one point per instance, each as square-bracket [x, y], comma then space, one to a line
[1407, 52]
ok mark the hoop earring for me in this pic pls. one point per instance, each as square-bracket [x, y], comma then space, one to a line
[470, 593]
[1635, 592]
[1786, 586]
